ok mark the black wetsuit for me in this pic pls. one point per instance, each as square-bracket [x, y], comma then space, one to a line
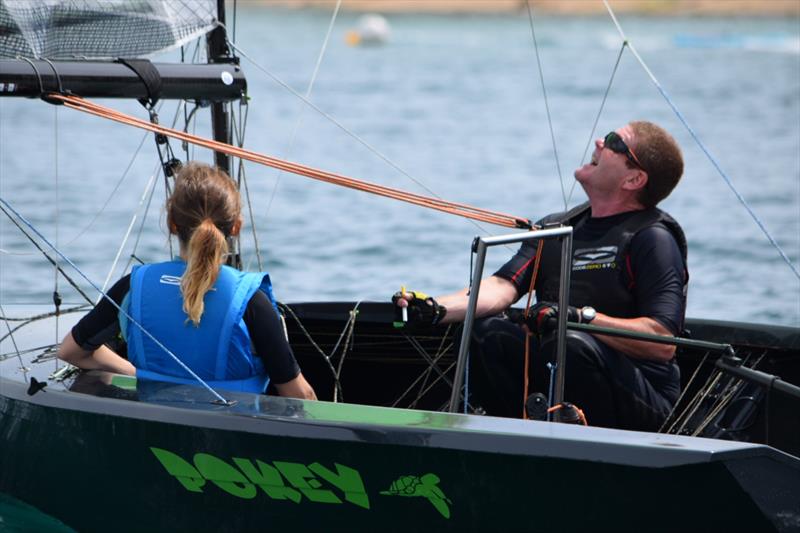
[101, 324]
[627, 265]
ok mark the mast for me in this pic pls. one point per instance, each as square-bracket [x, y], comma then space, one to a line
[218, 52]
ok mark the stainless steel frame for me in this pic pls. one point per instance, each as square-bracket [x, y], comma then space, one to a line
[480, 246]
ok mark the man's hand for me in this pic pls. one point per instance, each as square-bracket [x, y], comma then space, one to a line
[543, 317]
[422, 309]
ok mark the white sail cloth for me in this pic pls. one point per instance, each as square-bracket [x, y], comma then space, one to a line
[100, 29]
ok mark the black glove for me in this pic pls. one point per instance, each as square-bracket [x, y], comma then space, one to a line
[543, 317]
[422, 309]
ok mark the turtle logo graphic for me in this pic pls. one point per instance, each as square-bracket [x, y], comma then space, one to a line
[421, 486]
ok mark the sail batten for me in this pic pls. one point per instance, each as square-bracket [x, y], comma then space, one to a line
[97, 29]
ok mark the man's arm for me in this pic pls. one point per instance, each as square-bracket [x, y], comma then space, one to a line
[659, 282]
[636, 349]
[495, 295]
[496, 292]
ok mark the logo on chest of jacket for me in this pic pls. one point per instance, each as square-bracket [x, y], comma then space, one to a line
[599, 258]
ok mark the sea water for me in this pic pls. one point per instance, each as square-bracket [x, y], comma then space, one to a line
[457, 103]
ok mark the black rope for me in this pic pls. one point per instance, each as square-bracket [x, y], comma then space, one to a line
[56, 75]
[169, 164]
[36, 71]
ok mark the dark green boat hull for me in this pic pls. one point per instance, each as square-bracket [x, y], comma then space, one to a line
[98, 471]
[99, 453]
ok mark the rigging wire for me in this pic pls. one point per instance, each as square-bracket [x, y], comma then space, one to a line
[293, 137]
[10, 335]
[417, 345]
[235, 5]
[141, 226]
[102, 209]
[46, 255]
[454, 208]
[190, 117]
[147, 207]
[4, 203]
[242, 177]
[57, 192]
[138, 208]
[187, 119]
[424, 389]
[145, 194]
[337, 386]
[724, 398]
[347, 334]
[546, 103]
[597, 118]
[107, 202]
[702, 146]
[685, 388]
[24, 321]
[440, 351]
[113, 192]
[343, 128]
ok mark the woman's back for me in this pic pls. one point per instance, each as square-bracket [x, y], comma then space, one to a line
[218, 348]
[196, 308]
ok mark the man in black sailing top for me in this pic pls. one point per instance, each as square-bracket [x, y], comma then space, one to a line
[628, 272]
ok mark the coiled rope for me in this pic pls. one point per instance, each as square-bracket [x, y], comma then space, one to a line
[463, 210]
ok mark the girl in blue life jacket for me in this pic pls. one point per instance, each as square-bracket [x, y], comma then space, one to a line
[220, 322]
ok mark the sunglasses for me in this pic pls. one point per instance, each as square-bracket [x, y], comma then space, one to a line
[615, 143]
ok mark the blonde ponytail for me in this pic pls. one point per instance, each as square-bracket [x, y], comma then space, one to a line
[207, 247]
[204, 209]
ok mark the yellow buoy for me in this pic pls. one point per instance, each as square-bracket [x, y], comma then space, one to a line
[352, 38]
[372, 30]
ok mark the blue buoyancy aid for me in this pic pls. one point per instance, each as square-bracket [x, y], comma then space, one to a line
[218, 350]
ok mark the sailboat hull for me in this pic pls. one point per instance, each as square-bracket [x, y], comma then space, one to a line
[100, 452]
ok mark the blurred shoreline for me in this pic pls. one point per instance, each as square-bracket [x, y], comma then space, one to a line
[750, 8]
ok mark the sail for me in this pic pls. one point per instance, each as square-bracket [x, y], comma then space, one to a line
[98, 29]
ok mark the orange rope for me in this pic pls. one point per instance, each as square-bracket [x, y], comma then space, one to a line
[526, 314]
[483, 215]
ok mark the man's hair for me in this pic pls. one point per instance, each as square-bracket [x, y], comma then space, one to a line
[660, 157]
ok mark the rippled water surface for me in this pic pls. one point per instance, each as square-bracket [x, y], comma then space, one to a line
[456, 102]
